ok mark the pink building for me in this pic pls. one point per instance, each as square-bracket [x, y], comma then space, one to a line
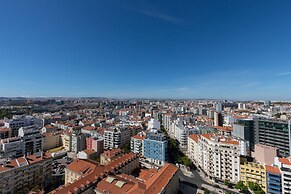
[95, 144]
[265, 154]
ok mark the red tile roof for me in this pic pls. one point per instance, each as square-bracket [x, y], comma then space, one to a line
[81, 167]
[194, 137]
[139, 137]
[285, 161]
[272, 169]
[99, 173]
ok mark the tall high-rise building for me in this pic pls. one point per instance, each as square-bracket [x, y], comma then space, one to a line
[244, 129]
[218, 119]
[275, 133]
[219, 107]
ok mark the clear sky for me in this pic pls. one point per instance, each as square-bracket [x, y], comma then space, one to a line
[176, 49]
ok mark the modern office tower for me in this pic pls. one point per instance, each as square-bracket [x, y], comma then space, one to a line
[12, 147]
[78, 142]
[274, 183]
[275, 133]
[245, 129]
[218, 119]
[22, 174]
[22, 121]
[284, 165]
[155, 148]
[32, 138]
[136, 144]
[154, 124]
[218, 156]
[253, 172]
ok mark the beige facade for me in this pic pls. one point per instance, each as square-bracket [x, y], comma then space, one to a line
[51, 140]
[67, 141]
[265, 154]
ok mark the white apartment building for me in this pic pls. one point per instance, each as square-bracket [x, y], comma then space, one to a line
[12, 147]
[32, 138]
[218, 156]
[285, 167]
[22, 121]
[78, 142]
[182, 133]
[137, 142]
[116, 137]
[154, 124]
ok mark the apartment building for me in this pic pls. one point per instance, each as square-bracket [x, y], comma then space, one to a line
[12, 147]
[137, 144]
[274, 183]
[254, 172]
[32, 139]
[181, 133]
[52, 140]
[218, 156]
[275, 133]
[265, 154]
[154, 124]
[108, 156]
[117, 137]
[22, 174]
[156, 147]
[284, 165]
[78, 142]
[5, 132]
[22, 121]
[96, 144]
[67, 140]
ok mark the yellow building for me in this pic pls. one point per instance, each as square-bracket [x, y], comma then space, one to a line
[67, 141]
[253, 172]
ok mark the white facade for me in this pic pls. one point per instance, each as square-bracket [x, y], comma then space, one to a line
[117, 137]
[154, 124]
[217, 156]
[285, 167]
[32, 138]
[136, 144]
[12, 147]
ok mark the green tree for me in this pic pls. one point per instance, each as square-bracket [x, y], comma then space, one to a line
[126, 147]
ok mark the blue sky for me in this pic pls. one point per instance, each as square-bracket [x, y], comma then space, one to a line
[191, 49]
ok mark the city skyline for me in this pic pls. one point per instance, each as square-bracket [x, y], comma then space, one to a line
[146, 49]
